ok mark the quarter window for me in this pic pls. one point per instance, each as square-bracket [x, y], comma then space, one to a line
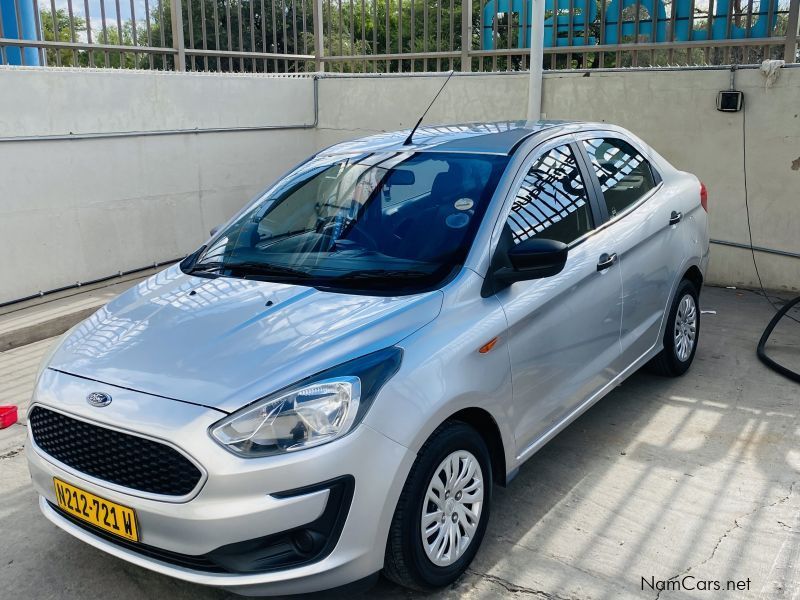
[624, 174]
[552, 202]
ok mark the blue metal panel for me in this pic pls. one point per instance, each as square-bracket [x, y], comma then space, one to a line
[11, 30]
[556, 26]
[613, 34]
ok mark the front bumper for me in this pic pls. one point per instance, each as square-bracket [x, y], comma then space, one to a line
[240, 499]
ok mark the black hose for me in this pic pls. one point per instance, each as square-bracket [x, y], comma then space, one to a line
[762, 355]
[760, 352]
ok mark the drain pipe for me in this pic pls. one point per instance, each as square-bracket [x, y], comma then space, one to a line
[536, 61]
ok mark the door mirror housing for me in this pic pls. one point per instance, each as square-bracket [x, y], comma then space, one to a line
[533, 258]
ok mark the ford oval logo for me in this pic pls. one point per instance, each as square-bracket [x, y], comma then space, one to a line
[98, 399]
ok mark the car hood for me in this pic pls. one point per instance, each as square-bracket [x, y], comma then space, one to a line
[225, 342]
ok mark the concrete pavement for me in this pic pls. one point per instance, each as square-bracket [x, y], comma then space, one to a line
[691, 479]
[17, 371]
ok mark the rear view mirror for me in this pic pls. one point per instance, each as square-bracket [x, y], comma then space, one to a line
[401, 177]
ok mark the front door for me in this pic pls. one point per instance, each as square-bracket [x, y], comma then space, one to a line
[563, 331]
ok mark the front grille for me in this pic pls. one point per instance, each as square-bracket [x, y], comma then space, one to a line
[119, 458]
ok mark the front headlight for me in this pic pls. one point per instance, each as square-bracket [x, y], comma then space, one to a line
[304, 417]
[315, 411]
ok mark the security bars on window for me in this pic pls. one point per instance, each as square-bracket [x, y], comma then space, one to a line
[552, 189]
[622, 163]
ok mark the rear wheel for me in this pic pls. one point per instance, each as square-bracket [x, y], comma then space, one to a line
[442, 512]
[681, 334]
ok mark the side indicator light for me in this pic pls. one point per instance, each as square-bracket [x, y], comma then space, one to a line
[488, 345]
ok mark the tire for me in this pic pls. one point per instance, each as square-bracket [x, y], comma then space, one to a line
[406, 561]
[674, 360]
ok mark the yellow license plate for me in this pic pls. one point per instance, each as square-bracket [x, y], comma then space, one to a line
[106, 515]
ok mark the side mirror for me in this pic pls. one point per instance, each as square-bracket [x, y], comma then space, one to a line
[214, 230]
[535, 258]
[532, 259]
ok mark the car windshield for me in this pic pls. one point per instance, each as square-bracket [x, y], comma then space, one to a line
[392, 223]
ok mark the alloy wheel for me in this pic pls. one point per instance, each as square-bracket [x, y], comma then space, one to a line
[685, 327]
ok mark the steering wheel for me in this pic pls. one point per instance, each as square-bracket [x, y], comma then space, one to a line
[423, 216]
[358, 236]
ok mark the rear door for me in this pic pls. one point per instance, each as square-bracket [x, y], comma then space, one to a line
[647, 229]
[563, 330]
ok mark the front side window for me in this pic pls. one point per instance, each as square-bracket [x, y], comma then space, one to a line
[396, 222]
[624, 174]
[552, 202]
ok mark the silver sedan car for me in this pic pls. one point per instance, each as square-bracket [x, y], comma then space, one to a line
[332, 384]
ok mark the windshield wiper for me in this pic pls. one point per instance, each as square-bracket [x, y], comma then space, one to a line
[266, 270]
[366, 274]
[246, 269]
[205, 268]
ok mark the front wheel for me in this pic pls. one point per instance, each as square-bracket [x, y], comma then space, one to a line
[442, 512]
[681, 334]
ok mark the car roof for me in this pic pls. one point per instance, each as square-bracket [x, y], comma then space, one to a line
[501, 137]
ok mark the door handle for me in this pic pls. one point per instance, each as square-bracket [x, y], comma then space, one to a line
[675, 217]
[606, 260]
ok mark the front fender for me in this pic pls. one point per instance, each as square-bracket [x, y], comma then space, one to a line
[443, 372]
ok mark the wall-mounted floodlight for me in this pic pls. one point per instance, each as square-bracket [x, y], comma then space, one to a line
[730, 101]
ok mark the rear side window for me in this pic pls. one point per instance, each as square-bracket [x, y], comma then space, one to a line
[552, 202]
[624, 174]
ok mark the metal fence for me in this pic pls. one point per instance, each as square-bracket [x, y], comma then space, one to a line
[202, 35]
[300, 36]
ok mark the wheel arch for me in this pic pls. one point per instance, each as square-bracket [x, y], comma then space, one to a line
[689, 270]
[484, 423]
[694, 275]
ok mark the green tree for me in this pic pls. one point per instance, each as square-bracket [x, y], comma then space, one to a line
[272, 26]
[351, 28]
[113, 35]
[386, 27]
[60, 31]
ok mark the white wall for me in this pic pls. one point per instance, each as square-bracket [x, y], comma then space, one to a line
[78, 209]
[674, 111]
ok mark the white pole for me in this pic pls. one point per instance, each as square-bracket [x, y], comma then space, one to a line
[537, 59]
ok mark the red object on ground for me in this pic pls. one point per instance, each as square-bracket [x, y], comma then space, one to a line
[8, 416]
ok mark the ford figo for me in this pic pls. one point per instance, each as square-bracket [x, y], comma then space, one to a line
[333, 383]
